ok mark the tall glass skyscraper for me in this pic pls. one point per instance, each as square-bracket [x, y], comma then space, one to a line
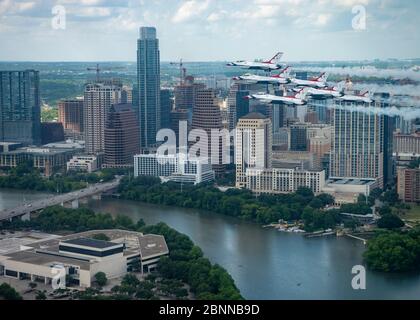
[148, 86]
[20, 110]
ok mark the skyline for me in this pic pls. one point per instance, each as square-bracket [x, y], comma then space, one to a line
[210, 30]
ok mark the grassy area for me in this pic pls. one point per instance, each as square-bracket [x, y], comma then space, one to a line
[413, 213]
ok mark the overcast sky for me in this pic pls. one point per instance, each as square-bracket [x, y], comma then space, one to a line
[205, 30]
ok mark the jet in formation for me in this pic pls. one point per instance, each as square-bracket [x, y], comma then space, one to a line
[282, 78]
[317, 82]
[269, 65]
[297, 99]
[365, 97]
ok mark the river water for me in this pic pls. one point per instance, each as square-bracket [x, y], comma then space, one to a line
[265, 263]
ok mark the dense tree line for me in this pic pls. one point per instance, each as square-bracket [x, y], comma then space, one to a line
[394, 251]
[25, 177]
[241, 203]
[185, 262]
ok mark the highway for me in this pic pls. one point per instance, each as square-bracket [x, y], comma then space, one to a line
[29, 207]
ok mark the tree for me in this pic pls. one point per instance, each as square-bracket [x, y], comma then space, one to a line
[390, 221]
[393, 252]
[40, 296]
[101, 278]
[9, 293]
[101, 236]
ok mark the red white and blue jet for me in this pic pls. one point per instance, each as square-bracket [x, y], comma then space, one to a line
[282, 78]
[269, 65]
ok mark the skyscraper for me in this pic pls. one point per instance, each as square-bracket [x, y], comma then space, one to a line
[165, 108]
[298, 137]
[238, 106]
[121, 136]
[70, 114]
[148, 84]
[99, 96]
[360, 142]
[207, 117]
[20, 110]
[253, 145]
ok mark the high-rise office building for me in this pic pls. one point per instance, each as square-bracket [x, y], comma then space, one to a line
[121, 136]
[253, 145]
[207, 117]
[361, 143]
[20, 110]
[51, 132]
[185, 94]
[98, 99]
[237, 105]
[165, 108]
[409, 184]
[148, 86]
[298, 137]
[70, 114]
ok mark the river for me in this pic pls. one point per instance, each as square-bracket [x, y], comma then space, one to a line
[265, 263]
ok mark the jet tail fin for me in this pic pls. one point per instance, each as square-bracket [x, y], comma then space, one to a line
[276, 59]
[340, 86]
[302, 93]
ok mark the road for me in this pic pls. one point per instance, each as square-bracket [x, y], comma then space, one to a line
[58, 199]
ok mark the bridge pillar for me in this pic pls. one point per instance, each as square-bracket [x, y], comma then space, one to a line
[97, 197]
[75, 204]
[26, 217]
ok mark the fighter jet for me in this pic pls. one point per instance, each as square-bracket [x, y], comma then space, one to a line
[327, 92]
[298, 99]
[282, 78]
[363, 97]
[272, 64]
[317, 82]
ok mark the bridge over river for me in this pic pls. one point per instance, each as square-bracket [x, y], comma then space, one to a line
[25, 209]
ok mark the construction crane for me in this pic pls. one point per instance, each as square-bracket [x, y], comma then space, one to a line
[182, 71]
[98, 70]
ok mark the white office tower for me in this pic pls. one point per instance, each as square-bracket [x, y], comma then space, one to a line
[98, 99]
[253, 145]
[175, 168]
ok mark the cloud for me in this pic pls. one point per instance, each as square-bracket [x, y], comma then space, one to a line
[190, 9]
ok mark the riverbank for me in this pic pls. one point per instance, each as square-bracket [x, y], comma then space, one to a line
[265, 263]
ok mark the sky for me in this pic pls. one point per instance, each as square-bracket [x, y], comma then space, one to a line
[210, 30]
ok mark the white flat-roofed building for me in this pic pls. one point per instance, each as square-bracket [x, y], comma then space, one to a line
[173, 168]
[347, 190]
[82, 257]
[278, 180]
[88, 163]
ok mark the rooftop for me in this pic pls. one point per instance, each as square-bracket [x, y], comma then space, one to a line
[93, 243]
[254, 115]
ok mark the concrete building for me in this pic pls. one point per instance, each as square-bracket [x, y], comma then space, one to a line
[85, 163]
[283, 180]
[207, 117]
[409, 184]
[47, 160]
[347, 190]
[70, 114]
[253, 145]
[148, 86]
[20, 107]
[98, 99]
[121, 136]
[407, 143]
[80, 257]
[173, 168]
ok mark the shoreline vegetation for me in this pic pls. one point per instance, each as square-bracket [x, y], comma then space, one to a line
[185, 264]
[391, 249]
[25, 177]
